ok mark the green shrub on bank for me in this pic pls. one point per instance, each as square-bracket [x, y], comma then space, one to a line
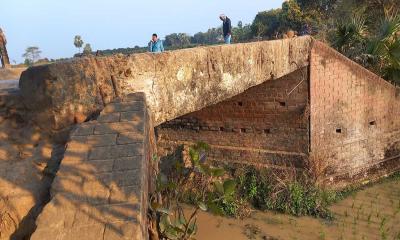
[266, 190]
[285, 191]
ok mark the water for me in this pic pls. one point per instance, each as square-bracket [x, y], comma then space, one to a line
[7, 84]
[373, 213]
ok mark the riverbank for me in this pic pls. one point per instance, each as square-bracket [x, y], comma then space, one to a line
[372, 213]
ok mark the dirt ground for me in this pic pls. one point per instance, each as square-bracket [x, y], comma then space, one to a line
[11, 73]
[27, 157]
[373, 213]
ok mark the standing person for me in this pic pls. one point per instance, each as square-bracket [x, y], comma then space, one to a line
[5, 62]
[226, 28]
[156, 45]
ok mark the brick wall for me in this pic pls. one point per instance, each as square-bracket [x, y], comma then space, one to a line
[355, 123]
[267, 124]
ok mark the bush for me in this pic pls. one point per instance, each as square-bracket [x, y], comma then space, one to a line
[284, 193]
[193, 180]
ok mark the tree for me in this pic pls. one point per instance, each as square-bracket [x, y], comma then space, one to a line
[87, 50]
[385, 47]
[78, 42]
[376, 10]
[31, 55]
[318, 8]
[177, 40]
[212, 36]
[374, 45]
[292, 17]
[350, 36]
[198, 38]
[267, 23]
[241, 33]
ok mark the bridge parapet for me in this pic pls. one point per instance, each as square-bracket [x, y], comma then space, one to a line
[175, 82]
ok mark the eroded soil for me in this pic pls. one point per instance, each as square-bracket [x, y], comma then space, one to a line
[28, 158]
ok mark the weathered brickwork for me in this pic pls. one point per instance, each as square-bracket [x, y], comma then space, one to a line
[354, 132]
[355, 119]
[267, 124]
[277, 104]
[175, 82]
[101, 188]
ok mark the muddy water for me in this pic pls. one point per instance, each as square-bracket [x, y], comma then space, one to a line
[6, 84]
[373, 213]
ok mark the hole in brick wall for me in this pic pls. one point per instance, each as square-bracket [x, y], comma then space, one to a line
[282, 104]
[372, 123]
[222, 129]
[338, 130]
[240, 103]
[243, 130]
[267, 131]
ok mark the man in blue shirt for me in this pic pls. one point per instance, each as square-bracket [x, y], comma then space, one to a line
[156, 45]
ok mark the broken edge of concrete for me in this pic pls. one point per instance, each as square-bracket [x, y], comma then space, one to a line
[101, 189]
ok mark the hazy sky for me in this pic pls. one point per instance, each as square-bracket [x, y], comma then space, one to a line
[52, 24]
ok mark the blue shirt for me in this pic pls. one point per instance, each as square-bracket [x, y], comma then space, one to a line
[156, 46]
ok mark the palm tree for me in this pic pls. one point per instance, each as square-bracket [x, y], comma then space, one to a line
[385, 47]
[350, 33]
[78, 42]
[378, 50]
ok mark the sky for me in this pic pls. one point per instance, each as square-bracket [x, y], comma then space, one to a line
[52, 24]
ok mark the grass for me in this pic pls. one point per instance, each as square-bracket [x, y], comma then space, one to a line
[285, 191]
[288, 192]
[352, 190]
[292, 195]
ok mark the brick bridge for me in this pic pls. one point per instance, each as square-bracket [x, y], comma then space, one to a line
[278, 104]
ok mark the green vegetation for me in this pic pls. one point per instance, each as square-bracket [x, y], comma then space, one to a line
[284, 192]
[212, 36]
[376, 46]
[352, 190]
[31, 55]
[78, 42]
[227, 192]
[366, 31]
[211, 192]
[87, 49]
[232, 190]
[177, 40]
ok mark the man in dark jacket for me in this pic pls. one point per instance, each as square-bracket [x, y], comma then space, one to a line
[226, 28]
